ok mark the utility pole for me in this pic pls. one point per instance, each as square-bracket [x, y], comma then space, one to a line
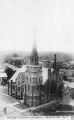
[25, 95]
[32, 95]
[11, 87]
[40, 94]
[21, 92]
[16, 91]
[8, 87]
[55, 68]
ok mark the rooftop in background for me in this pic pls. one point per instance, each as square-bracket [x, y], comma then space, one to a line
[16, 58]
[10, 66]
[69, 84]
[3, 75]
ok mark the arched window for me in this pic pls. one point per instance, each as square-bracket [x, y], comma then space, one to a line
[18, 88]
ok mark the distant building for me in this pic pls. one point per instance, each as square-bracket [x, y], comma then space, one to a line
[71, 88]
[15, 61]
[47, 63]
[3, 76]
[66, 95]
[67, 72]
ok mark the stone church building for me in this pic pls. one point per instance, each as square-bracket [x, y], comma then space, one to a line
[41, 84]
[38, 84]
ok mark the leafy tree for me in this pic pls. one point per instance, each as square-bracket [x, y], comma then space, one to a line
[9, 72]
[14, 55]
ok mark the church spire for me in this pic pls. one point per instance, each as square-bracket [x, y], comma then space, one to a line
[34, 41]
[34, 54]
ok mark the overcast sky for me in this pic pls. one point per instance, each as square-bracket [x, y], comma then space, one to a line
[53, 20]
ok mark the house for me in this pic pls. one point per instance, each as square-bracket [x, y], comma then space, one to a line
[3, 75]
[3, 78]
[71, 88]
[47, 63]
[67, 72]
[66, 95]
[15, 86]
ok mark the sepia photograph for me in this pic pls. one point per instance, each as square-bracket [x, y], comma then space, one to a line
[37, 59]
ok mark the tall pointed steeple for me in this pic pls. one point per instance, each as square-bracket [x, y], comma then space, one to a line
[34, 54]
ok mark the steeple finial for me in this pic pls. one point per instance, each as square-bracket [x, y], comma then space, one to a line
[34, 55]
[34, 38]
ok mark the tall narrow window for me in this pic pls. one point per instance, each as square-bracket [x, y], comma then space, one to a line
[39, 79]
[35, 79]
[14, 87]
[28, 87]
[37, 87]
[34, 88]
[18, 88]
[27, 78]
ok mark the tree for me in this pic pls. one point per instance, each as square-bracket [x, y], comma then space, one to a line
[14, 55]
[9, 72]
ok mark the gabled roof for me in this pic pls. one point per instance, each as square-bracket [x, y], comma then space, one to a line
[19, 70]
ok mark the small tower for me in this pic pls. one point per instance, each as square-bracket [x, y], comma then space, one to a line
[58, 79]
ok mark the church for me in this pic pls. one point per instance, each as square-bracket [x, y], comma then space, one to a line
[35, 84]
[41, 84]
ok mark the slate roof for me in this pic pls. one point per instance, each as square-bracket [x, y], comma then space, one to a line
[19, 70]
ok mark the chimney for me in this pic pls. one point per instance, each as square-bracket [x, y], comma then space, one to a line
[48, 85]
[55, 61]
[49, 74]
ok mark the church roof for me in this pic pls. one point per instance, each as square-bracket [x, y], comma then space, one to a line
[19, 70]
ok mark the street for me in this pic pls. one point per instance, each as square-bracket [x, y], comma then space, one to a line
[8, 102]
[14, 109]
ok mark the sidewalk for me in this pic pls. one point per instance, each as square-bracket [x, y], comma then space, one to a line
[40, 106]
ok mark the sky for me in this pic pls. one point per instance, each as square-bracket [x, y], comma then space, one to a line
[52, 20]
